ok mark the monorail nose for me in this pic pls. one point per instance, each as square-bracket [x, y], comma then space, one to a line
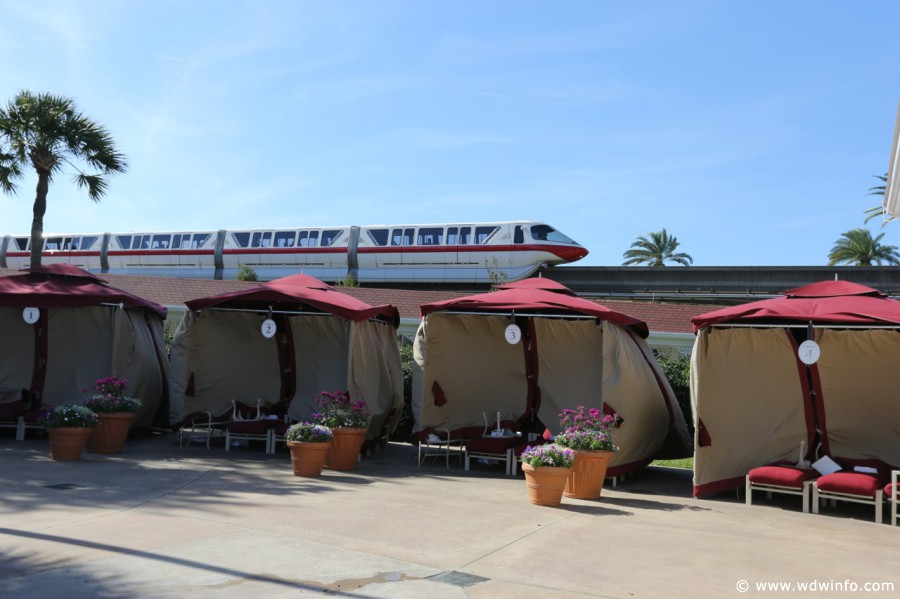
[570, 253]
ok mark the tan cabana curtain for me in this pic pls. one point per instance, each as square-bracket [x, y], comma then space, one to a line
[476, 370]
[17, 358]
[630, 388]
[220, 356]
[860, 379]
[321, 358]
[570, 366]
[420, 344]
[746, 391]
[376, 375]
[135, 358]
[678, 442]
[79, 351]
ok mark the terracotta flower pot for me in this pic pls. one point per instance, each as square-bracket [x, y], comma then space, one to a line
[588, 473]
[308, 458]
[111, 432]
[67, 443]
[545, 484]
[345, 448]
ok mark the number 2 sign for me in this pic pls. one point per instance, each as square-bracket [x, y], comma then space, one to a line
[268, 328]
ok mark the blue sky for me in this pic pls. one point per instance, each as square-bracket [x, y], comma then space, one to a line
[752, 131]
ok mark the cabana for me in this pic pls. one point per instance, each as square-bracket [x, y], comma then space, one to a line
[571, 352]
[756, 400]
[63, 328]
[284, 342]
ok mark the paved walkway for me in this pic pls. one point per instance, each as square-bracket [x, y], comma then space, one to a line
[159, 521]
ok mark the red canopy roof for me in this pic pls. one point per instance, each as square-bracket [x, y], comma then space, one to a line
[298, 289]
[66, 286]
[536, 294]
[824, 302]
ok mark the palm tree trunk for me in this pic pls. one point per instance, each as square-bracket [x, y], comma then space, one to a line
[37, 223]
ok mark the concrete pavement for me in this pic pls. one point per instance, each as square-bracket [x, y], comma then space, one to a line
[159, 521]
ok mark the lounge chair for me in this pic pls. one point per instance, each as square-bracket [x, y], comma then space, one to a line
[202, 425]
[10, 416]
[494, 444]
[251, 423]
[891, 491]
[439, 443]
[785, 479]
[856, 487]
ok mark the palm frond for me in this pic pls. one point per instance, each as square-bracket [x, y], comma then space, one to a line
[96, 185]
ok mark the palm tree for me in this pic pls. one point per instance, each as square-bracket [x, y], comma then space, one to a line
[655, 250]
[877, 190]
[47, 132]
[858, 248]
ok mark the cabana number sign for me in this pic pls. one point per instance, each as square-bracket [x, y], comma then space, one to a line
[31, 315]
[809, 352]
[513, 334]
[268, 328]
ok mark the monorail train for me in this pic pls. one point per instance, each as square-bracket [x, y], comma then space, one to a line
[439, 253]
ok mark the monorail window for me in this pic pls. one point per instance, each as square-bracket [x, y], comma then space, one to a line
[402, 236]
[378, 236]
[308, 239]
[141, 242]
[161, 242]
[53, 243]
[261, 239]
[519, 235]
[70, 243]
[181, 241]
[484, 234]
[548, 233]
[87, 242]
[241, 239]
[21, 243]
[285, 239]
[200, 240]
[430, 236]
[459, 235]
[124, 241]
[329, 237]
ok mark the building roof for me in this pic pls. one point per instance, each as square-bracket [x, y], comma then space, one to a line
[175, 292]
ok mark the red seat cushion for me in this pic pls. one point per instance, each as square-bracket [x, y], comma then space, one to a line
[10, 411]
[782, 476]
[251, 427]
[492, 445]
[889, 489]
[851, 483]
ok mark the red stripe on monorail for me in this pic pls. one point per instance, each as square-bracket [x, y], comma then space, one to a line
[161, 253]
[563, 251]
[294, 250]
[54, 254]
